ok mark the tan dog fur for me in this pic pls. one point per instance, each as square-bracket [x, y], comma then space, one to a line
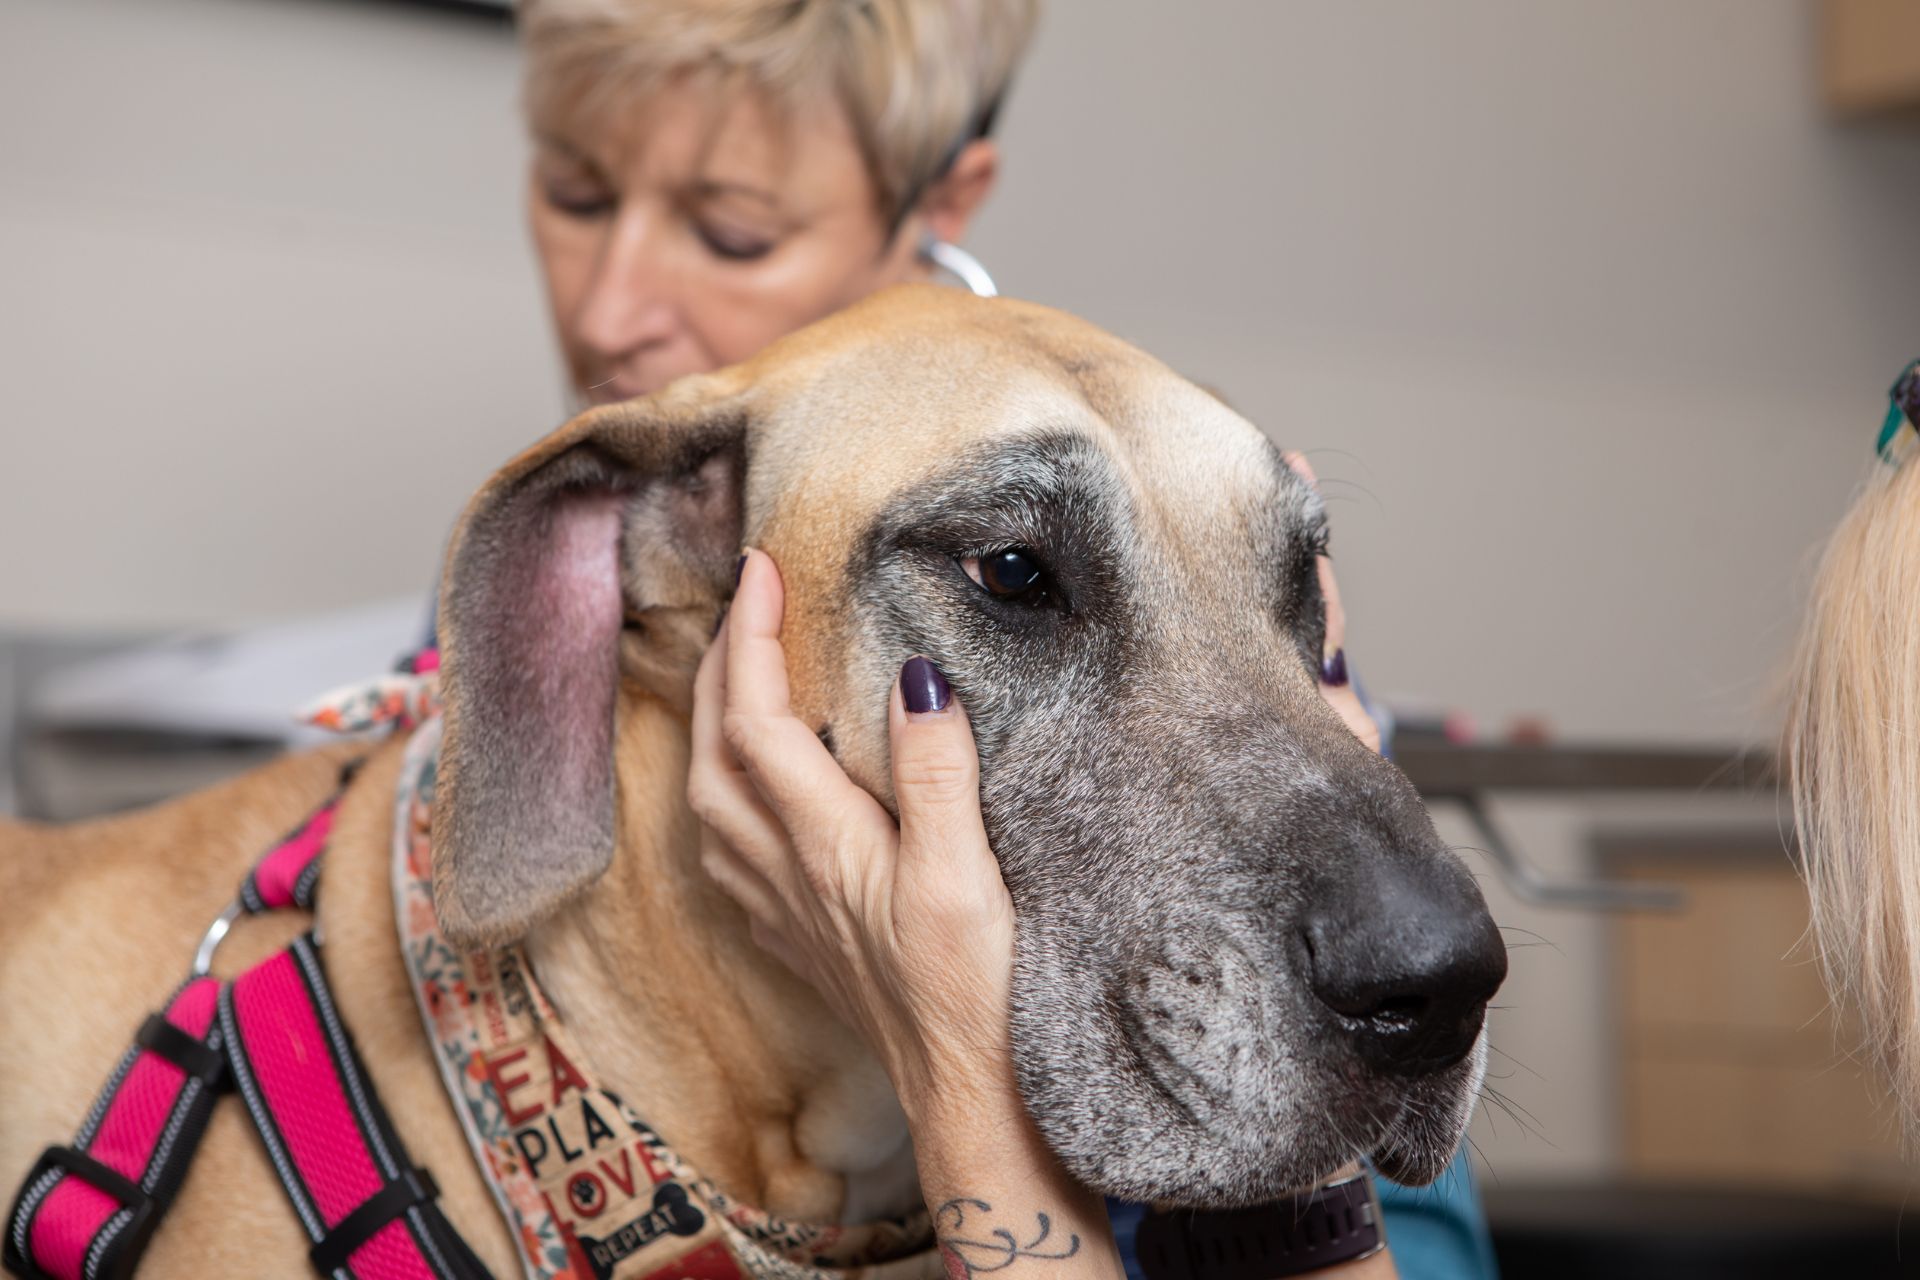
[712, 1042]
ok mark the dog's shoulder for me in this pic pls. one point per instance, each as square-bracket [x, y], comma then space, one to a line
[107, 902]
[99, 920]
[201, 841]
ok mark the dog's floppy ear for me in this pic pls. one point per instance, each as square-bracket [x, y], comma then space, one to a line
[603, 551]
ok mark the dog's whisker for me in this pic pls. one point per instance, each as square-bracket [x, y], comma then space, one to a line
[1485, 1162]
[1514, 928]
[1515, 1061]
[1505, 1100]
[1525, 1129]
[1528, 1122]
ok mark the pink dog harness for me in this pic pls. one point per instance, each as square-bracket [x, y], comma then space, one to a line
[589, 1190]
[88, 1210]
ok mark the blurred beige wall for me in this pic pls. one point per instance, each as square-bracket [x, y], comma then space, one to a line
[267, 314]
[1583, 312]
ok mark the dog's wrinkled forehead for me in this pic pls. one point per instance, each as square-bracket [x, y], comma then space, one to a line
[1159, 517]
[933, 399]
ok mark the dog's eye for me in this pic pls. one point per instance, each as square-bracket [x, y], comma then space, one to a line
[1012, 574]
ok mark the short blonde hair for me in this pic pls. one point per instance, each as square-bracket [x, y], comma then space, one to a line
[917, 78]
[1852, 751]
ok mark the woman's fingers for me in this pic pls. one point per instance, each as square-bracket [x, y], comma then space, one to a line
[1333, 659]
[812, 825]
[720, 793]
[756, 675]
[740, 880]
[777, 944]
[784, 758]
[936, 768]
[947, 871]
[950, 913]
[1335, 682]
[1334, 649]
[1354, 713]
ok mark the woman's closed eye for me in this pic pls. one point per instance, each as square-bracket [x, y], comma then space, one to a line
[732, 243]
[576, 190]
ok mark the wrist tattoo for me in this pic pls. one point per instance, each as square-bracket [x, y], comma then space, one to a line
[971, 1245]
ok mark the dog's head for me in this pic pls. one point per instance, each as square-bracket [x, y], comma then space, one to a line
[1244, 955]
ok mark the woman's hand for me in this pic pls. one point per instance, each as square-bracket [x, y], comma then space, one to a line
[1335, 686]
[906, 930]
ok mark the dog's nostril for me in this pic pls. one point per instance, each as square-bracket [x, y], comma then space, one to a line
[1398, 1014]
[1371, 1008]
[1408, 1033]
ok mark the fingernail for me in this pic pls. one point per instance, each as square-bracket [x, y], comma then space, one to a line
[923, 688]
[738, 569]
[1333, 669]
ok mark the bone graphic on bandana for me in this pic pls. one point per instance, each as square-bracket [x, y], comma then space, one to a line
[672, 1214]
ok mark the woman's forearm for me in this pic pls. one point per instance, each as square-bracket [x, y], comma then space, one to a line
[1000, 1202]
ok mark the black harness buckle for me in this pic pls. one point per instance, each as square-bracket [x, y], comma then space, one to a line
[195, 1057]
[101, 1177]
[414, 1187]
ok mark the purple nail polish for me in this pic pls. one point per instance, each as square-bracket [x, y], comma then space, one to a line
[739, 568]
[1333, 669]
[923, 688]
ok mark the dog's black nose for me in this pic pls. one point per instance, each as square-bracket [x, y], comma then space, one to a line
[1403, 952]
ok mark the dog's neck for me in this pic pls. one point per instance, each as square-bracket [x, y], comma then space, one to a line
[733, 1059]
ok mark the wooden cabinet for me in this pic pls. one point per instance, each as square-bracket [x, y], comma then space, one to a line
[1870, 57]
[1732, 1067]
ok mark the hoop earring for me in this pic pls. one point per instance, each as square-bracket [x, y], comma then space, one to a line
[959, 264]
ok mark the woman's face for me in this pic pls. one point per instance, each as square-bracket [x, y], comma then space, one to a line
[697, 231]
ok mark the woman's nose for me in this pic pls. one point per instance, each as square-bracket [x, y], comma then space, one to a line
[628, 304]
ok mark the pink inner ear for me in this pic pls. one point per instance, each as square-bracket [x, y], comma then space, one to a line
[572, 623]
[580, 579]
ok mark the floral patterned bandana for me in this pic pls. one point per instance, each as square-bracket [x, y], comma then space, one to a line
[590, 1192]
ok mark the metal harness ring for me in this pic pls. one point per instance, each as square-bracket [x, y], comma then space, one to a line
[210, 942]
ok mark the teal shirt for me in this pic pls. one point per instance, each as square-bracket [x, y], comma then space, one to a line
[1439, 1232]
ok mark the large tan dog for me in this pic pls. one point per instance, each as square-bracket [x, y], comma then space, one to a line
[1244, 957]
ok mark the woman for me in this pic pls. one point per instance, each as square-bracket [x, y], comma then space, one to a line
[1853, 753]
[708, 176]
